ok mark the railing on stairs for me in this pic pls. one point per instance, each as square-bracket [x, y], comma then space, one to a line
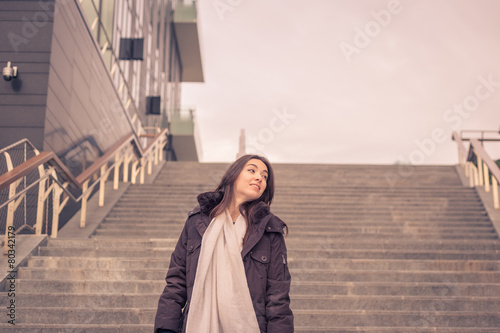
[50, 179]
[479, 175]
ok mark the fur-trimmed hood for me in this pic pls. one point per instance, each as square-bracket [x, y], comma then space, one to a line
[209, 200]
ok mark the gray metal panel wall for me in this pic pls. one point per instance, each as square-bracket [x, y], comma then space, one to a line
[84, 114]
[25, 40]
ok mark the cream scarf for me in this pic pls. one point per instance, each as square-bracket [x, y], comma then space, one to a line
[221, 301]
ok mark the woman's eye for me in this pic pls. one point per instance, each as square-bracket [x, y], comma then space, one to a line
[251, 170]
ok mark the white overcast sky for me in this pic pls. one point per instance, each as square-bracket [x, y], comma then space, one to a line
[346, 96]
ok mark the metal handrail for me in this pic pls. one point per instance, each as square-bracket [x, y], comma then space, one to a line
[479, 175]
[82, 181]
[482, 132]
[17, 144]
[50, 158]
[480, 152]
[462, 151]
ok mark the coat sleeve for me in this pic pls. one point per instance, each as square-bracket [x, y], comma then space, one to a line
[278, 312]
[173, 298]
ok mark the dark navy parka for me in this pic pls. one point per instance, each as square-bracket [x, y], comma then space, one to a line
[264, 259]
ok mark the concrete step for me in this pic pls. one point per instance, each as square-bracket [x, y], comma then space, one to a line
[36, 273]
[90, 328]
[294, 263]
[292, 253]
[383, 236]
[76, 328]
[298, 302]
[316, 194]
[317, 199]
[301, 317]
[327, 242]
[180, 217]
[125, 224]
[368, 250]
[330, 212]
[389, 228]
[168, 233]
[324, 242]
[107, 253]
[98, 263]
[332, 216]
[399, 318]
[173, 196]
[297, 288]
[98, 243]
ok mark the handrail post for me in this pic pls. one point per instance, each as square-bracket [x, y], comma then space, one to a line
[160, 149]
[126, 163]
[157, 152]
[480, 169]
[134, 172]
[150, 163]
[40, 202]
[142, 167]
[476, 177]
[102, 184]
[83, 209]
[56, 197]
[486, 177]
[495, 193]
[116, 177]
[10, 207]
[471, 173]
[10, 214]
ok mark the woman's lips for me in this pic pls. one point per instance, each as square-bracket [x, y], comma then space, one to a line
[255, 186]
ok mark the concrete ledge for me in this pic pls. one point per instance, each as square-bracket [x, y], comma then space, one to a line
[461, 175]
[25, 245]
[96, 214]
[494, 214]
[486, 198]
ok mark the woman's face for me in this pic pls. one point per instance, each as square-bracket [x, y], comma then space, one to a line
[251, 182]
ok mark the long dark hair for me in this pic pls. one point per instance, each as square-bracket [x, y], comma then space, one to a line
[226, 186]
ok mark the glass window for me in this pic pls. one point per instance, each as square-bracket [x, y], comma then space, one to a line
[107, 10]
[90, 12]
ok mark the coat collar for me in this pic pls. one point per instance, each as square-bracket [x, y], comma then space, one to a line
[263, 221]
[209, 200]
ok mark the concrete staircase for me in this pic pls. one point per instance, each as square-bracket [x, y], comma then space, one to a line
[371, 249]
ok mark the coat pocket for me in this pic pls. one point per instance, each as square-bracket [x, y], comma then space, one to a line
[261, 261]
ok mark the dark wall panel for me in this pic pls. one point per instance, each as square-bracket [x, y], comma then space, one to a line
[23, 116]
[83, 108]
[11, 134]
[26, 84]
[25, 40]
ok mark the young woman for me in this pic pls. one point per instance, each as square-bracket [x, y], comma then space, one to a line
[229, 270]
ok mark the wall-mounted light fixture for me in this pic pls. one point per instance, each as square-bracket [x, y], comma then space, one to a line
[9, 72]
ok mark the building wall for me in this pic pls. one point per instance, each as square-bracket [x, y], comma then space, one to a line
[25, 40]
[73, 96]
[85, 115]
